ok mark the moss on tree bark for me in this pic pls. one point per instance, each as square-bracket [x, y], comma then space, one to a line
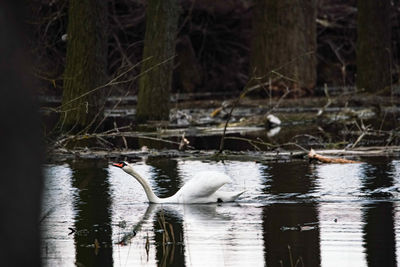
[373, 44]
[159, 46]
[284, 42]
[86, 63]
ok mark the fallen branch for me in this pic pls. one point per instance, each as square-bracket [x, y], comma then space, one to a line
[62, 143]
[313, 155]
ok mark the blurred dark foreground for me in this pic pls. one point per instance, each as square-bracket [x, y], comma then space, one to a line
[21, 147]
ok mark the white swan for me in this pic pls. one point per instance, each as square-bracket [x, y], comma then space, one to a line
[201, 189]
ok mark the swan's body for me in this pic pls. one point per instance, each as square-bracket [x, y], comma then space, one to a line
[203, 188]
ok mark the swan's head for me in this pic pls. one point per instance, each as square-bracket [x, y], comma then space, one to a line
[122, 165]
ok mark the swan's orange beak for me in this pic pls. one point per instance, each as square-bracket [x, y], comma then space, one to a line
[119, 165]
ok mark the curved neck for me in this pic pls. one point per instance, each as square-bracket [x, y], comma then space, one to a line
[146, 186]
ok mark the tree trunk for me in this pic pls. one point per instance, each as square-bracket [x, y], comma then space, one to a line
[86, 64]
[373, 45]
[284, 42]
[157, 68]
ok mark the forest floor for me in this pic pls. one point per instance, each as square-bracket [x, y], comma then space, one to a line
[345, 124]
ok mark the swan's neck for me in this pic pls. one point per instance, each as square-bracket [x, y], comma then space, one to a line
[146, 186]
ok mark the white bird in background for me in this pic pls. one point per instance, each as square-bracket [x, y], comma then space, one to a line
[203, 188]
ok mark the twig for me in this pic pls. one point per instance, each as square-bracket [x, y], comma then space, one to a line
[123, 137]
[254, 142]
[328, 103]
[358, 139]
[111, 82]
[279, 101]
[251, 142]
[290, 256]
[234, 104]
[61, 142]
[364, 131]
[114, 80]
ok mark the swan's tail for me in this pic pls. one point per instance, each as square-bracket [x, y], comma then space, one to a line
[229, 196]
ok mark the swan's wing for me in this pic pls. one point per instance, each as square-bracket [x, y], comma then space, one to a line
[204, 184]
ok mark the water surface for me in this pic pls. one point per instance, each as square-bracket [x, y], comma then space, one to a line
[319, 215]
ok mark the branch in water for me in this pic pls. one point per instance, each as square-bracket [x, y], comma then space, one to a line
[313, 155]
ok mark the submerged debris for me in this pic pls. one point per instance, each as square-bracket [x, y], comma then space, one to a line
[82, 232]
[184, 143]
[72, 230]
[272, 121]
[224, 105]
[181, 118]
[63, 155]
[301, 228]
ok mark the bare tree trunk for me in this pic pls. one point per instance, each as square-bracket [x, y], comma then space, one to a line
[157, 68]
[284, 42]
[373, 45]
[86, 64]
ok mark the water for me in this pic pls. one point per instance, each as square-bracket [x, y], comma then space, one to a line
[317, 215]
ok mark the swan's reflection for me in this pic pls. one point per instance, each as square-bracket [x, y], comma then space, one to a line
[226, 235]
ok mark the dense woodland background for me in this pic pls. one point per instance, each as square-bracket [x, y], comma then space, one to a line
[220, 46]
[85, 50]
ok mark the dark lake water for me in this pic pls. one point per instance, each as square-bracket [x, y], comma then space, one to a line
[292, 212]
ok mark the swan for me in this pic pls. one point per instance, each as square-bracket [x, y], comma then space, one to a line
[203, 188]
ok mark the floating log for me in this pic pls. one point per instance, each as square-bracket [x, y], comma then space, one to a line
[313, 155]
